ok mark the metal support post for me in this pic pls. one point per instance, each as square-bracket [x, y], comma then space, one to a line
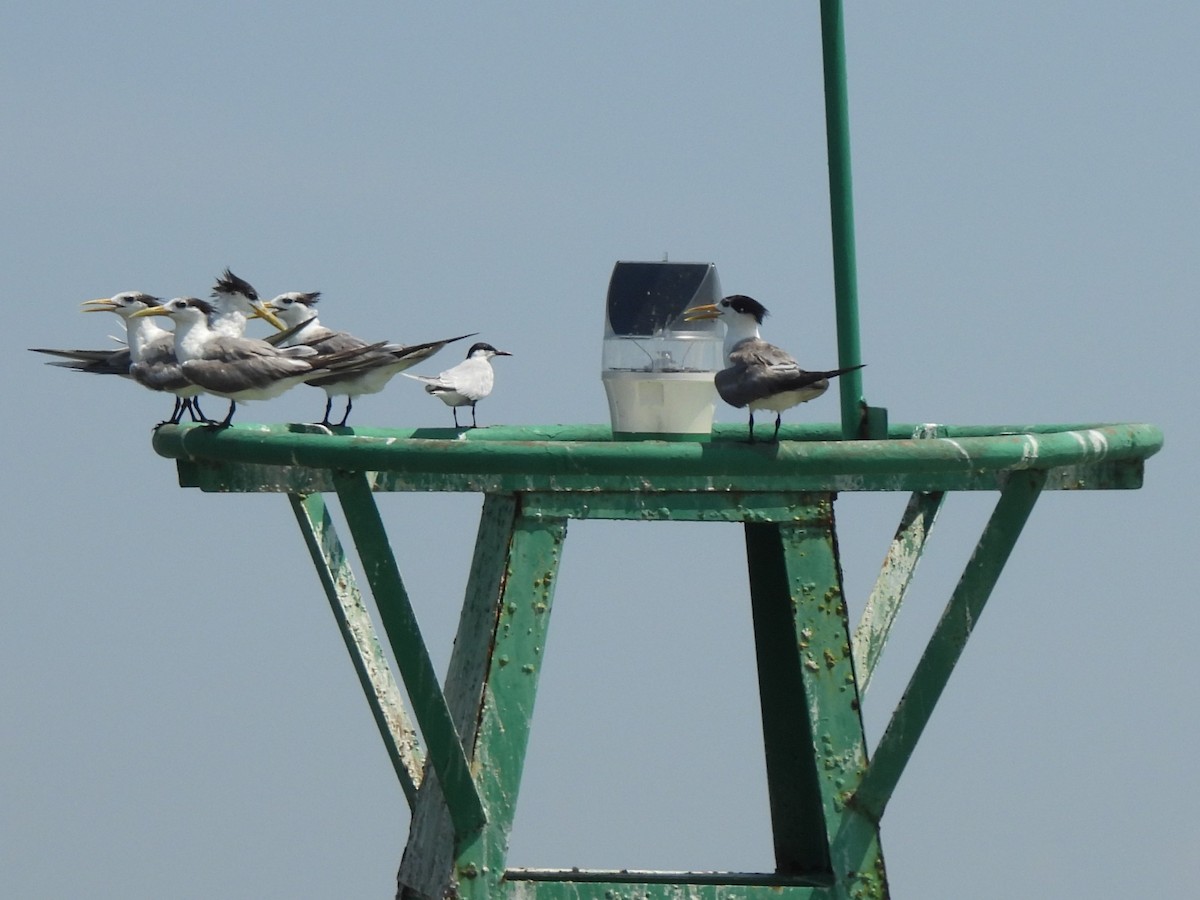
[812, 726]
[491, 686]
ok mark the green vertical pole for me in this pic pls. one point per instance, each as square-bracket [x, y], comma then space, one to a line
[509, 691]
[490, 688]
[797, 813]
[841, 208]
[812, 725]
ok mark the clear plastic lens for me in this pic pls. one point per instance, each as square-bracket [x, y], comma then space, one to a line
[666, 353]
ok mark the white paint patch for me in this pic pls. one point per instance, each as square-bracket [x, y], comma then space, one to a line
[959, 447]
[1099, 442]
[1093, 442]
[1029, 451]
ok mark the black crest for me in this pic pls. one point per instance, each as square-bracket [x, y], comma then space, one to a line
[229, 283]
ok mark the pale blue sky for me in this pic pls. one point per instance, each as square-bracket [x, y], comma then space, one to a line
[180, 719]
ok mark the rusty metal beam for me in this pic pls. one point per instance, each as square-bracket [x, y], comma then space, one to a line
[443, 745]
[899, 566]
[358, 632]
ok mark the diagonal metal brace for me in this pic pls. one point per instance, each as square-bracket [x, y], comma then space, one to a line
[354, 622]
[891, 586]
[949, 637]
[442, 741]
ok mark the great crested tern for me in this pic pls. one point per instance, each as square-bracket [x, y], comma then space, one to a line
[240, 368]
[148, 355]
[235, 301]
[760, 375]
[467, 383]
[298, 311]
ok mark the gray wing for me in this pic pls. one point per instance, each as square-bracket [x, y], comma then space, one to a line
[395, 357]
[333, 341]
[340, 345]
[97, 362]
[758, 370]
[344, 365]
[471, 379]
[415, 353]
[162, 376]
[442, 383]
[237, 364]
[280, 337]
[158, 368]
[439, 384]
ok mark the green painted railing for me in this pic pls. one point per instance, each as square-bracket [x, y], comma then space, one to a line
[585, 457]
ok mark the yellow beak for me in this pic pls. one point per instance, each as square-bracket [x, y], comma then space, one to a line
[262, 311]
[103, 304]
[150, 311]
[696, 313]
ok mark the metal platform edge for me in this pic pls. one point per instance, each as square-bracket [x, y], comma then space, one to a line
[300, 458]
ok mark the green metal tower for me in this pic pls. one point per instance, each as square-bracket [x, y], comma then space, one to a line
[826, 796]
[460, 750]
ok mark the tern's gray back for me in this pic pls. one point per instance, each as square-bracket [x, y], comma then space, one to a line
[158, 369]
[758, 369]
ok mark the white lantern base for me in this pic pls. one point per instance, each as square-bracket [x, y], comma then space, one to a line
[660, 405]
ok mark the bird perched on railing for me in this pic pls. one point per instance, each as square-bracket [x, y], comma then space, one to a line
[112, 361]
[148, 356]
[240, 368]
[467, 383]
[235, 302]
[759, 375]
[298, 311]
